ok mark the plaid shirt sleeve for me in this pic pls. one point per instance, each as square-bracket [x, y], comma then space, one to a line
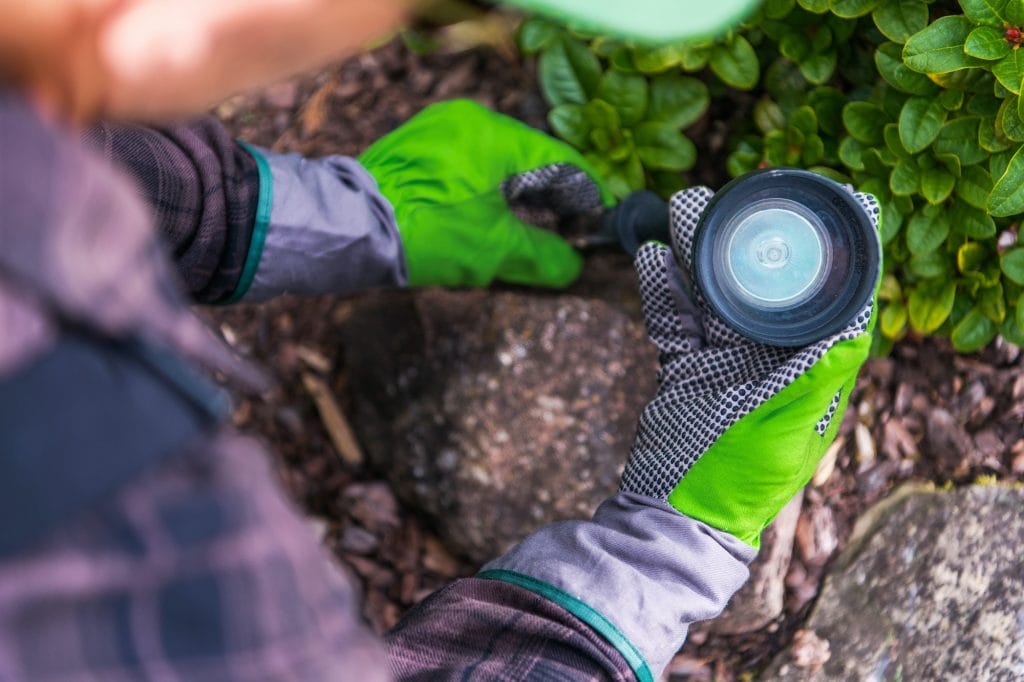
[203, 188]
[479, 629]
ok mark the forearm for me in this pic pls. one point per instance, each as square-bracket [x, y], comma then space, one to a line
[248, 224]
[610, 598]
[489, 629]
[639, 573]
[203, 189]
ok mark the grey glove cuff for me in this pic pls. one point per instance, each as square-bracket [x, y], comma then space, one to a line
[322, 227]
[639, 573]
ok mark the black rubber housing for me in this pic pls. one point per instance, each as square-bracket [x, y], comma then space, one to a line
[852, 273]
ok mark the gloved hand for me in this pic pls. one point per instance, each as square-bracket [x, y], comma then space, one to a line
[439, 201]
[737, 428]
[451, 173]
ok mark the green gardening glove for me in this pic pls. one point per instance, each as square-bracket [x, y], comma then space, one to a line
[737, 427]
[455, 171]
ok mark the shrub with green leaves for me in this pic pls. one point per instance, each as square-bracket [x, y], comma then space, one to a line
[916, 101]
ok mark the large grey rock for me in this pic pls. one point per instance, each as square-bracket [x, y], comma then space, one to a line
[930, 588]
[496, 412]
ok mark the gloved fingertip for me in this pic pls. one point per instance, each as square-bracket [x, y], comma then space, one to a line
[558, 273]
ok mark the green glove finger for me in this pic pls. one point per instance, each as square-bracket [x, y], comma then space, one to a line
[480, 242]
[456, 150]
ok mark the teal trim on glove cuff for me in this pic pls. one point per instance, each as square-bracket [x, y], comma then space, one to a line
[584, 612]
[259, 230]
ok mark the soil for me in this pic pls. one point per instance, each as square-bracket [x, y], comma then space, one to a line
[923, 413]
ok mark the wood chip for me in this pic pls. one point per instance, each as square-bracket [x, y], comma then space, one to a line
[828, 462]
[314, 359]
[865, 446]
[334, 420]
[436, 558]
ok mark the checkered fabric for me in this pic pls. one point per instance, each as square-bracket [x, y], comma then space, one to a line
[710, 376]
[199, 570]
[203, 189]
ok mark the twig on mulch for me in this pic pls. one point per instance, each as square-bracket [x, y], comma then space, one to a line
[334, 420]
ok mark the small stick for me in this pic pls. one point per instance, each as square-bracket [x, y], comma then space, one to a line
[334, 421]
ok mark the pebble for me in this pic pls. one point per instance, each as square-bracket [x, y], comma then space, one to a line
[358, 541]
[809, 651]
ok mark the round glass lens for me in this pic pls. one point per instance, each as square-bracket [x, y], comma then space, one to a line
[776, 254]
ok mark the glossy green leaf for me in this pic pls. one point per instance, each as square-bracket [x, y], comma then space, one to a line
[818, 68]
[1012, 264]
[891, 133]
[929, 265]
[936, 185]
[1009, 121]
[768, 116]
[920, 122]
[998, 163]
[970, 256]
[865, 122]
[816, 6]
[990, 140]
[972, 222]
[812, 151]
[626, 177]
[851, 153]
[960, 137]
[1009, 70]
[951, 100]
[905, 178]
[657, 59]
[927, 229]
[536, 34]
[929, 304]
[939, 48]
[1020, 313]
[662, 146]
[889, 60]
[602, 116]
[851, 9]
[983, 104]
[569, 72]
[951, 162]
[987, 42]
[828, 106]
[1007, 197]
[892, 221]
[569, 123]
[893, 320]
[805, 120]
[626, 92]
[989, 12]
[795, 46]
[1011, 330]
[974, 186]
[778, 9]
[694, 58]
[889, 289]
[900, 19]
[735, 63]
[973, 332]
[992, 302]
[678, 100]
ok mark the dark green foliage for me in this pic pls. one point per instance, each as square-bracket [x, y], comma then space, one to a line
[916, 101]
